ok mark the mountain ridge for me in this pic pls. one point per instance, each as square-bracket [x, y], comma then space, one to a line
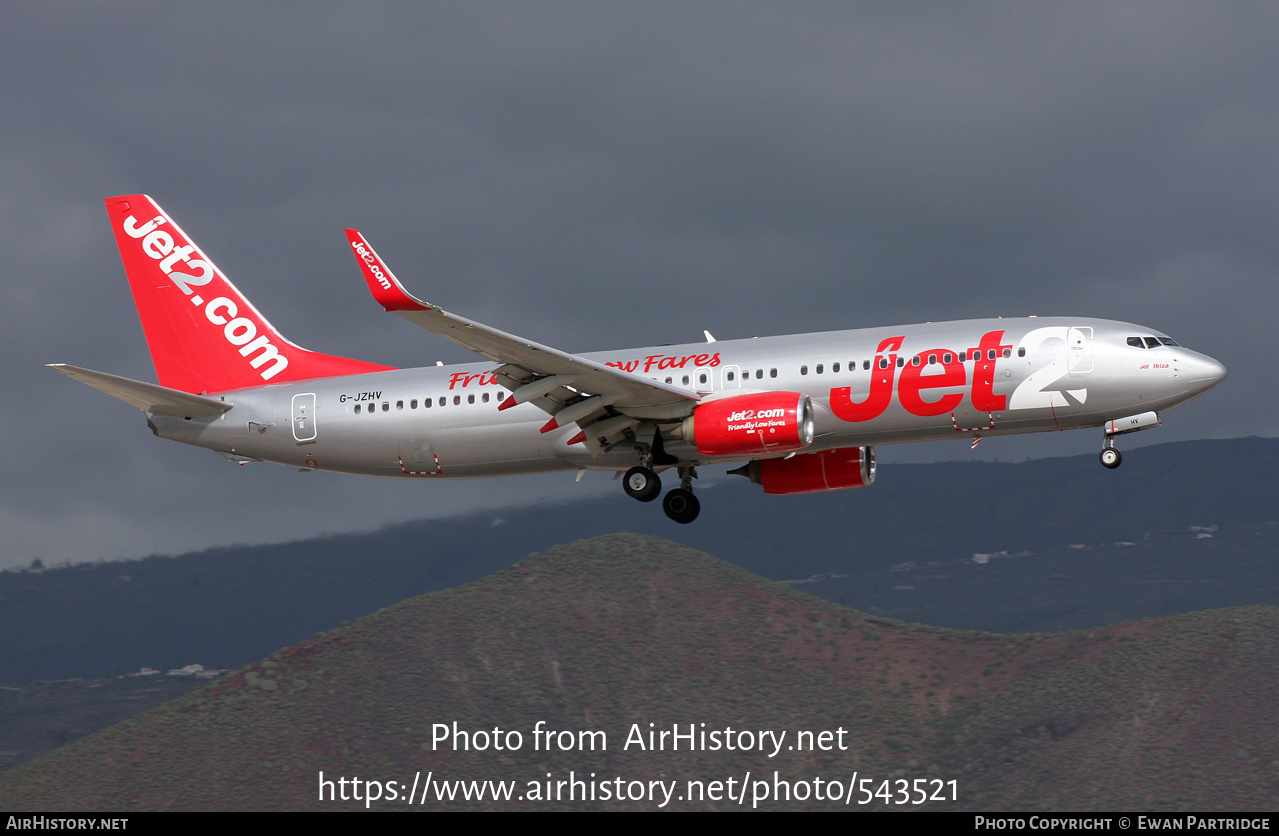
[622, 631]
[225, 607]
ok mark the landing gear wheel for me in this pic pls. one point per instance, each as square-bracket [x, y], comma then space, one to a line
[642, 483]
[681, 506]
[1110, 457]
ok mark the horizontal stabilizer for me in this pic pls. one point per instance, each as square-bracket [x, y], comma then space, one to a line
[148, 397]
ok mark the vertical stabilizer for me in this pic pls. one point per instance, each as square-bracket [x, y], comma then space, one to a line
[204, 336]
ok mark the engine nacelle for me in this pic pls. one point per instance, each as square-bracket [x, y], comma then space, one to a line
[828, 470]
[759, 423]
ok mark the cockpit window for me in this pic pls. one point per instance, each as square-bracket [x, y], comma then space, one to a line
[1150, 342]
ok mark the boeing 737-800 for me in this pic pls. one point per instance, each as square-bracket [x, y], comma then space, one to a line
[799, 413]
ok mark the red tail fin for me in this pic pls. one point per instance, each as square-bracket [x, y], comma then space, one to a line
[203, 334]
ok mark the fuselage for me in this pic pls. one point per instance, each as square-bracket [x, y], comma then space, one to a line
[803, 411]
[868, 386]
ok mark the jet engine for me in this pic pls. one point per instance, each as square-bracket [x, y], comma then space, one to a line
[827, 470]
[760, 423]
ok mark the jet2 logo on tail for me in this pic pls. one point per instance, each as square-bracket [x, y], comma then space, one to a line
[239, 331]
[371, 260]
[158, 244]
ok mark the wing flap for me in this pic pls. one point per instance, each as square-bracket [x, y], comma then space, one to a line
[158, 400]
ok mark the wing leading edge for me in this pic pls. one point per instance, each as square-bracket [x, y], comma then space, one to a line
[569, 387]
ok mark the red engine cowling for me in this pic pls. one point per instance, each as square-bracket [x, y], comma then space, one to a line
[828, 470]
[760, 423]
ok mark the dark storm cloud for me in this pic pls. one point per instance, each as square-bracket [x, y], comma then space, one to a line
[593, 175]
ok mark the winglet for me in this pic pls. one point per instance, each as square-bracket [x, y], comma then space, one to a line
[386, 289]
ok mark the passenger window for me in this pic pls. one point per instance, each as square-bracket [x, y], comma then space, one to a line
[759, 374]
[399, 404]
[701, 378]
[685, 380]
[819, 368]
[357, 409]
[486, 397]
[883, 362]
[413, 404]
[915, 361]
[500, 395]
[457, 400]
[865, 365]
[442, 401]
[1021, 352]
[990, 355]
[803, 369]
[901, 361]
[386, 406]
[834, 369]
[668, 380]
[730, 376]
[947, 357]
[426, 403]
[963, 356]
[932, 359]
[470, 399]
[772, 372]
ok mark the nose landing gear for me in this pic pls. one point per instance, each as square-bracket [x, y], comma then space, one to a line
[1118, 426]
[1110, 456]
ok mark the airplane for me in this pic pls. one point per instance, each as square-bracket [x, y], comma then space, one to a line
[799, 414]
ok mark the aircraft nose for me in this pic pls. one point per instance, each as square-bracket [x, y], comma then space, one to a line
[1205, 372]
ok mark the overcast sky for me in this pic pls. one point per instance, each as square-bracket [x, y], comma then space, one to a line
[596, 175]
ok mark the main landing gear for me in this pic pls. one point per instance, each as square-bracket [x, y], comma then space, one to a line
[680, 504]
[1110, 456]
[643, 483]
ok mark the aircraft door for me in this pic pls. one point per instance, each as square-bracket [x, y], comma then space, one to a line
[1079, 349]
[304, 429]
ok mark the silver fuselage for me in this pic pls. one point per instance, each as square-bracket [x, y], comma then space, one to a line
[1059, 373]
